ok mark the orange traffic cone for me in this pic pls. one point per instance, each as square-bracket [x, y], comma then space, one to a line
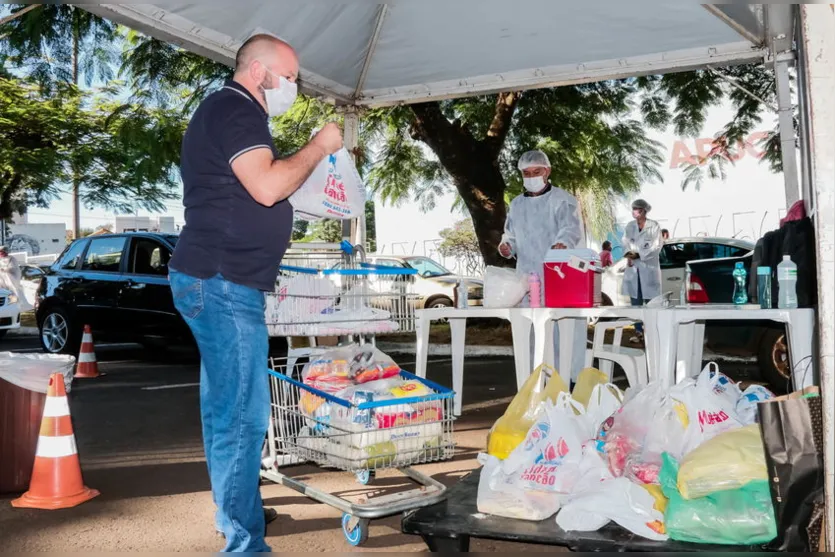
[87, 367]
[56, 477]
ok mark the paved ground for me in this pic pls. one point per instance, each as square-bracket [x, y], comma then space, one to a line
[138, 433]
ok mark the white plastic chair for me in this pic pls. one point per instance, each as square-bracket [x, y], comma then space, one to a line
[632, 360]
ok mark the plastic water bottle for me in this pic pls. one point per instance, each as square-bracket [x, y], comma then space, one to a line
[764, 287]
[787, 283]
[740, 284]
[535, 295]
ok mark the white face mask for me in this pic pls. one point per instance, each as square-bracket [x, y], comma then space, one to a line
[534, 184]
[280, 99]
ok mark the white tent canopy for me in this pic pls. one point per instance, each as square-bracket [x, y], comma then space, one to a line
[367, 53]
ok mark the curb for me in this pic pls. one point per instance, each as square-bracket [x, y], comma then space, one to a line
[446, 349]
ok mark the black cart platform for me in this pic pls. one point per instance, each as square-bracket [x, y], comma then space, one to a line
[449, 525]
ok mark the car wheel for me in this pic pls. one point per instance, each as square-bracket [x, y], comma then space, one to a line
[438, 303]
[773, 360]
[58, 333]
[605, 300]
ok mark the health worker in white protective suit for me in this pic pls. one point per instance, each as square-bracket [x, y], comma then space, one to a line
[642, 243]
[545, 217]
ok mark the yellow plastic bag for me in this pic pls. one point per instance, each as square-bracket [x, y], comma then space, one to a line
[728, 461]
[510, 430]
[587, 380]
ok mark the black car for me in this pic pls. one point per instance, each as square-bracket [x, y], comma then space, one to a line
[117, 284]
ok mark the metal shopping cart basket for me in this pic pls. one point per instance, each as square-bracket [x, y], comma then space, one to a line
[330, 290]
[310, 425]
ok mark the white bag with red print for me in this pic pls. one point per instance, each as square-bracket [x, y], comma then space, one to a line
[549, 457]
[711, 406]
[333, 191]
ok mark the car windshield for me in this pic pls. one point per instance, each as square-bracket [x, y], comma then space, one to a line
[426, 267]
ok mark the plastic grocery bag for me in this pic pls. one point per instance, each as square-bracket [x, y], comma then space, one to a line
[334, 190]
[617, 500]
[649, 423]
[587, 380]
[711, 406]
[498, 494]
[503, 288]
[728, 461]
[348, 365]
[549, 457]
[510, 430]
[604, 401]
[32, 371]
[743, 516]
[746, 406]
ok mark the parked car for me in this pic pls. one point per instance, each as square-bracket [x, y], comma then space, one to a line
[434, 283]
[9, 312]
[117, 284]
[711, 281]
[674, 256]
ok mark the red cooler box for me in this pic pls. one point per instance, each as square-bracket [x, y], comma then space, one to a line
[572, 278]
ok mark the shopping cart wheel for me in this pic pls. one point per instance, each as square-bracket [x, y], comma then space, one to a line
[358, 534]
[365, 477]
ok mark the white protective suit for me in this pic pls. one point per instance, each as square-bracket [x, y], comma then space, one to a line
[533, 225]
[647, 243]
[10, 280]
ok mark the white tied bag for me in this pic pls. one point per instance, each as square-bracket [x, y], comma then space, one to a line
[504, 288]
[500, 495]
[333, 191]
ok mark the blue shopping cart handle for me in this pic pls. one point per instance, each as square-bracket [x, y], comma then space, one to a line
[367, 270]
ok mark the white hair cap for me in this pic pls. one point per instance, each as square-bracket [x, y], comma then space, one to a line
[535, 158]
[641, 204]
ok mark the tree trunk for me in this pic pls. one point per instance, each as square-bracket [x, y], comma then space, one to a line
[76, 180]
[474, 167]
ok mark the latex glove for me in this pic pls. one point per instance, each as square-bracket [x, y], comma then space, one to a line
[505, 250]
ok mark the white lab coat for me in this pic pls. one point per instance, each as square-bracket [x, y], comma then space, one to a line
[647, 243]
[533, 225]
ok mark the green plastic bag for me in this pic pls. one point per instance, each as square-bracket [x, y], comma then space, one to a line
[743, 516]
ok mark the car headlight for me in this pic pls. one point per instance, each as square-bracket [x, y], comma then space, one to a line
[12, 299]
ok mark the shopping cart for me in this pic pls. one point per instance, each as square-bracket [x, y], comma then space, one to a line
[310, 425]
[327, 290]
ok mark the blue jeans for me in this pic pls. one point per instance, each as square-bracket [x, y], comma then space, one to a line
[227, 321]
[639, 301]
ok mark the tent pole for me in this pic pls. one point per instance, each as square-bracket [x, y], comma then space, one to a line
[352, 230]
[785, 112]
[818, 41]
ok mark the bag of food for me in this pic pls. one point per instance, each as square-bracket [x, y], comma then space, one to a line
[549, 458]
[746, 406]
[617, 500]
[604, 401]
[728, 461]
[711, 406]
[510, 430]
[499, 495]
[503, 288]
[743, 516]
[344, 366]
[334, 190]
[587, 380]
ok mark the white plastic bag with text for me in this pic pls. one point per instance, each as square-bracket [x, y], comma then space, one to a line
[498, 494]
[333, 191]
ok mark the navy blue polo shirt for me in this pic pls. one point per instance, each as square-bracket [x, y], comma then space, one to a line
[227, 232]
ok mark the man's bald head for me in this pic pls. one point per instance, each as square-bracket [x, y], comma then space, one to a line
[263, 47]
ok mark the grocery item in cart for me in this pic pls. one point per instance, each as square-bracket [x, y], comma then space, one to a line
[345, 366]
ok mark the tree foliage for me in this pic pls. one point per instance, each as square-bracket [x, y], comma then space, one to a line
[461, 244]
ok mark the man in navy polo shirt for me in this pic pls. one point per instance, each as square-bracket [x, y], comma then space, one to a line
[238, 224]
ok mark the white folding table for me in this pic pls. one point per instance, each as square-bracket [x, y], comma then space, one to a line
[520, 325]
[683, 327]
